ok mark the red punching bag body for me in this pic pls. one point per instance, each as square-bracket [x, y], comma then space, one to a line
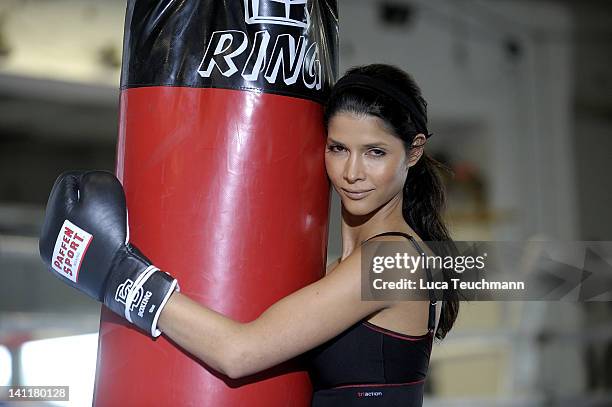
[221, 155]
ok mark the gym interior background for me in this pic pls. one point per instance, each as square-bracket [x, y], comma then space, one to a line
[520, 102]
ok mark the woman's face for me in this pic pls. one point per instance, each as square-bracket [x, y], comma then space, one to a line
[366, 164]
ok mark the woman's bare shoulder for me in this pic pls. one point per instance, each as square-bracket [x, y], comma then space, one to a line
[388, 238]
[409, 243]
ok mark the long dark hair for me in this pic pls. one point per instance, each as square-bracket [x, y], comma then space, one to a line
[424, 194]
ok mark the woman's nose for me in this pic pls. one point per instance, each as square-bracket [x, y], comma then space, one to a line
[353, 169]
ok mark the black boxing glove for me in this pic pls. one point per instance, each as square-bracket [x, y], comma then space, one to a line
[85, 242]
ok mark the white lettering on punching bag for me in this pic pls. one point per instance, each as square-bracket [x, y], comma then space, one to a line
[285, 59]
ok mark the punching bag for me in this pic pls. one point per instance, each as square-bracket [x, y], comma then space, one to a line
[221, 155]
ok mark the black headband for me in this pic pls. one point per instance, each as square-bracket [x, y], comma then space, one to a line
[417, 111]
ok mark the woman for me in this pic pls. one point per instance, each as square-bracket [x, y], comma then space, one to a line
[376, 121]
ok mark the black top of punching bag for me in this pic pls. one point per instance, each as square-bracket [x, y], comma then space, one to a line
[287, 47]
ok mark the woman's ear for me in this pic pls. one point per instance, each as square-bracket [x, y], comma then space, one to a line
[416, 150]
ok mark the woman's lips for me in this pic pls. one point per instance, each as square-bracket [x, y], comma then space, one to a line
[356, 195]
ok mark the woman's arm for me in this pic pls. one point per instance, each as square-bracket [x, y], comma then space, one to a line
[84, 204]
[205, 333]
[293, 325]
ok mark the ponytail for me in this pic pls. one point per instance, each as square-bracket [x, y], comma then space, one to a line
[423, 204]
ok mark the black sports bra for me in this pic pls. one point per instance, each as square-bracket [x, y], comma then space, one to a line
[368, 365]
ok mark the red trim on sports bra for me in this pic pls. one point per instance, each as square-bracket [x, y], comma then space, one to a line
[378, 384]
[394, 334]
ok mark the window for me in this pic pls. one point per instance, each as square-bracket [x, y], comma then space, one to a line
[5, 366]
[65, 361]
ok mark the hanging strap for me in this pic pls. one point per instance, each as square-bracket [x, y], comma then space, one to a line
[431, 323]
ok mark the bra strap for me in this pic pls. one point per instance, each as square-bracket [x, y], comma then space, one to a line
[406, 235]
[431, 322]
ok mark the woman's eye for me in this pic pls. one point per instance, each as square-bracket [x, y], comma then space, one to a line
[377, 153]
[334, 148]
